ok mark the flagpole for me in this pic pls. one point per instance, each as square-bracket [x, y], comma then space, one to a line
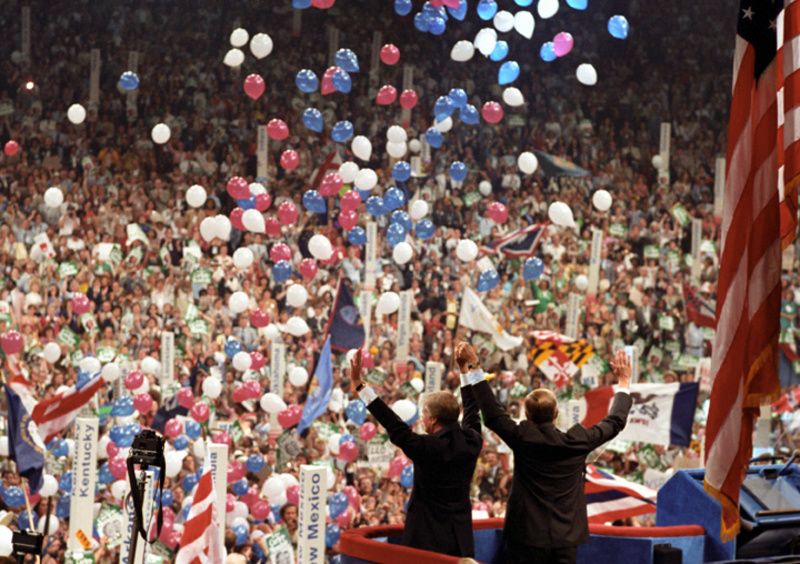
[47, 523]
[28, 502]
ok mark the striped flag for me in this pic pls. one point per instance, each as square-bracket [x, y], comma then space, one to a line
[744, 360]
[520, 243]
[200, 541]
[788, 64]
[559, 357]
[609, 497]
[53, 415]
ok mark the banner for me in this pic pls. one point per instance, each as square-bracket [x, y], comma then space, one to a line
[476, 316]
[94, 78]
[217, 461]
[84, 474]
[311, 515]
[594, 261]
[147, 513]
[277, 367]
[552, 165]
[168, 385]
[433, 376]
[371, 264]
[262, 154]
[404, 326]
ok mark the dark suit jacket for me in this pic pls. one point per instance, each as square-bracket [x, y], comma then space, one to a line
[547, 507]
[439, 516]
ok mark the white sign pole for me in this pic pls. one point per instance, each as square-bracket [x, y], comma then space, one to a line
[365, 310]
[311, 522]
[217, 461]
[26, 34]
[94, 78]
[84, 475]
[131, 97]
[719, 186]
[573, 316]
[664, 151]
[408, 83]
[375, 59]
[371, 264]
[262, 155]
[167, 364]
[277, 367]
[697, 237]
[333, 44]
[594, 261]
[433, 376]
[404, 326]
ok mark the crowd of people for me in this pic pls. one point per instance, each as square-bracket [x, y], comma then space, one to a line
[112, 175]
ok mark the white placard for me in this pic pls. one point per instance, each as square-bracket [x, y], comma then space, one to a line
[147, 513]
[217, 461]
[719, 185]
[371, 264]
[94, 78]
[576, 411]
[262, 154]
[573, 316]
[633, 356]
[84, 476]
[594, 261]
[404, 326]
[167, 364]
[433, 376]
[277, 367]
[311, 515]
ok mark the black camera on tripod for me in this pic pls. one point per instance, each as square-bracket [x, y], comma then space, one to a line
[147, 449]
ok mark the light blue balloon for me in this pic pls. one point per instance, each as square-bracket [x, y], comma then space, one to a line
[401, 171]
[434, 137]
[578, 4]
[356, 412]
[548, 52]
[342, 81]
[459, 97]
[393, 199]
[301, 4]
[443, 108]
[129, 81]
[425, 229]
[192, 429]
[500, 51]
[458, 171]
[357, 236]
[433, 12]
[342, 131]
[488, 280]
[306, 81]
[459, 13]
[401, 7]
[232, 346]
[314, 202]
[422, 22]
[437, 26]
[469, 115]
[312, 119]
[487, 9]
[395, 234]
[532, 269]
[407, 476]
[508, 73]
[399, 217]
[618, 27]
[523, 3]
[375, 206]
[346, 59]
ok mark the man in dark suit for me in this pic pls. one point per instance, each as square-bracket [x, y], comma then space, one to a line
[546, 515]
[439, 514]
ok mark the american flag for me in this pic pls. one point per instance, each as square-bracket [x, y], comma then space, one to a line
[200, 541]
[609, 497]
[53, 415]
[788, 117]
[698, 310]
[520, 243]
[744, 360]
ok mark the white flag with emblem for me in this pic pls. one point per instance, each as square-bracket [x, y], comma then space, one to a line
[476, 316]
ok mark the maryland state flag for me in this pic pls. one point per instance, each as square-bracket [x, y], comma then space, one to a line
[559, 357]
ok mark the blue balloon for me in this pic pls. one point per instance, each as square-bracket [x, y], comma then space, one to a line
[548, 52]
[122, 407]
[487, 9]
[578, 4]
[422, 22]
[65, 483]
[443, 108]
[129, 81]
[62, 507]
[347, 437]
[402, 7]
[356, 412]
[240, 531]
[459, 13]
[192, 429]
[407, 476]
[312, 119]
[524, 3]
[433, 12]
[332, 534]
[434, 137]
[425, 229]
[301, 4]
[357, 235]
[533, 268]
[282, 271]
[185, 512]
[401, 218]
[83, 379]
[618, 27]
[342, 131]
[401, 171]
[337, 504]
[393, 199]
[181, 442]
[365, 194]
[167, 498]
[247, 204]
[306, 81]
[469, 115]
[347, 60]
[342, 81]
[314, 202]
[60, 448]
[437, 26]
[22, 520]
[375, 206]
[488, 280]
[104, 474]
[500, 51]
[459, 97]
[458, 171]
[255, 463]
[240, 487]
[188, 483]
[508, 73]
[395, 234]
[232, 346]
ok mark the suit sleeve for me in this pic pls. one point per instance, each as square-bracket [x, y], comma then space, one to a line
[401, 435]
[613, 423]
[494, 416]
[471, 419]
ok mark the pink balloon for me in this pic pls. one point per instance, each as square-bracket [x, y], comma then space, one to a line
[80, 304]
[230, 502]
[344, 518]
[118, 467]
[390, 54]
[408, 99]
[290, 159]
[287, 213]
[331, 184]
[134, 380]
[272, 226]
[353, 497]
[327, 86]
[236, 218]
[257, 360]
[173, 428]
[221, 438]
[250, 498]
[166, 532]
[348, 451]
[238, 188]
[254, 86]
[350, 201]
[293, 494]
[112, 450]
[366, 359]
[277, 130]
[290, 416]
[260, 510]
[396, 466]
[11, 148]
[239, 393]
[497, 212]
[236, 471]
[253, 389]
[367, 431]
[386, 95]
[348, 219]
[451, 3]
[279, 252]
[199, 412]
[173, 540]
[12, 342]
[492, 112]
[185, 398]
[259, 318]
[263, 202]
[308, 268]
[323, 4]
[562, 43]
[142, 402]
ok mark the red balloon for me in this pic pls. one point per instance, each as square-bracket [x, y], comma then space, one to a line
[263, 202]
[492, 112]
[257, 360]
[344, 519]
[497, 212]
[331, 184]
[259, 318]
[348, 451]
[350, 200]
[80, 304]
[236, 218]
[238, 188]
[260, 510]
[279, 252]
[366, 359]
[253, 389]
[293, 494]
[230, 501]
[236, 470]
[367, 431]
[11, 148]
[112, 450]
[239, 393]
[250, 498]
[272, 226]
[451, 3]
[290, 159]
[221, 438]
[327, 86]
[323, 4]
[277, 130]
[134, 380]
[12, 342]
[386, 95]
[285, 418]
[118, 467]
[390, 54]
[353, 497]
[254, 86]
[348, 219]
[287, 213]
[200, 412]
[173, 428]
[408, 99]
[396, 466]
[308, 268]
[142, 402]
[185, 398]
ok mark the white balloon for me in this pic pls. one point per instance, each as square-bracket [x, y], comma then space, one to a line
[238, 302]
[486, 40]
[110, 372]
[272, 332]
[581, 282]
[462, 51]
[331, 477]
[253, 221]
[199, 450]
[396, 150]
[513, 97]
[402, 253]
[70, 447]
[320, 246]
[524, 23]
[49, 486]
[4, 445]
[361, 147]
[296, 295]
[272, 403]
[196, 196]
[52, 524]
[222, 227]
[52, 352]
[240, 510]
[174, 462]
[658, 162]
[601, 200]
[53, 197]
[485, 187]
[243, 258]
[298, 376]
[90, 365]
[405, 409]
[208, 229]
[76, 114]
[388, 303]
[150, 365]
[333, 444]
[396, 134]
[445, 125]
[547, 8]
[467, 250]
[561, 214]
[348, 171]
[288, 480]
[160, 133]
[212, 387]
[418, 210]
[586, 74]
[6, 541]
[527, 162]
[417, 384]
[242, 361]
[297, 326]
[102, 447]
[503, 21]
[273, 487]
[261, 45]
[120, 489]
[239, 37]
[415, 145]
[233, 58]
[366, 178]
